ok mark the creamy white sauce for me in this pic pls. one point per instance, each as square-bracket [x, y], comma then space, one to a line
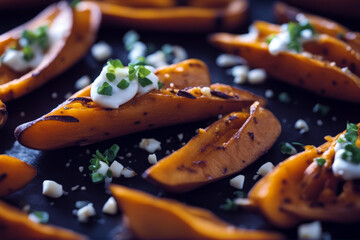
[121, 96]
[345, 169]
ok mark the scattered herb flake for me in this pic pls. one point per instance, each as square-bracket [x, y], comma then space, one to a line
[74, 3]
[160, 85]
[239, 194]
[130, 38]
[123, 84]
[105, 89]
[42, 217]
[229, 205]
[287, 148]
[320, 161]
[284, 97]
[145, 82]
[322, 109]
[270, 38]
[96, 177]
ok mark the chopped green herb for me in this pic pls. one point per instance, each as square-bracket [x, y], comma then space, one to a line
[39, 36]
[352, 132]
[322, 109]
[42, 217]
[143, 71]
[111, 153]
[160, 85]
[229, 205]
[28, 53]
[139, 61]
[130, 38]
[97, 177]
[297, 144]
[110, 76]
[105, 89]
[352, 151]
[320, 161]
[74, 3]
[132, 72]
[295, 30]
[115, 63]
[239, 194]
[168, 50]
[109, 174]
[270, 38]
[112, 65]
[287, 148]
[284, 97]
[123, 84]
[145, 82]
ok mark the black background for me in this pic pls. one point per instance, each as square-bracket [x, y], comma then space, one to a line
[52, 164]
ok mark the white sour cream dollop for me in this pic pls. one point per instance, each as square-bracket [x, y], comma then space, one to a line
[345, 169]
[121, 96]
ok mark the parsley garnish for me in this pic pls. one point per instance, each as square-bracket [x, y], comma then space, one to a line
[294, 30]
[270, 38]
[105, 89]
[229, 205]
[42, 217]
[322, 109]
[123, 84]
[97, 177]
[130, 38]
[287, 148]
[320, 161]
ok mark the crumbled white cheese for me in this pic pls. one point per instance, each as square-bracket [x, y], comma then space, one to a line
[310, 230]
[256, 76]
[82, 82]
[81, 169]
[301, 125]
[116, 168]
[180, 54]
[85, 212]
[319, 122]
[251, 36]
[242, 202]
[74, 188]
[240, 73]
[269, 93]
[157, 59]
[152, 158]
[22, 114]
[265, 169]
[238, 181]
[52, 189]
[14, 59]
[101, 51]
[128, 172]
[229, 60]
[180, 136]
[150, 145]
[54, 95]
[26, 208]
[110, 207]
[83, 188]
[138, 50]
[206, 91]
[68, 95]
[103, 168]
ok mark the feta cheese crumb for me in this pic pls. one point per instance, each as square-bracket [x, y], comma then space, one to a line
[152, 158]
[229, 60]
[240, 73]
[82, 82]
[85, 212]
[110, 207]
[269, 93]
[238, 181]
[54, 95]
[103, 168]
[179, 53]
[116, 169]
[138, 50]
[256, 176]
[206, 91]
[83, 188]
[265, 169]
[310, 230]
[150, 145]
[74, 188]
[101, 51]
[128, 172]
[22, 114]
[81, 169]
[319, 122]
[52, 189]
[301, 125]
[180, 136]
[256, 76]
[157, 59]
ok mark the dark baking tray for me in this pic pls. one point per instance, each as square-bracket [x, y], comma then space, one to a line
[52, 164]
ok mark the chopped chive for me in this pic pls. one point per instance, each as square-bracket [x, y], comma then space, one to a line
[130, 38]
[287, 148]
[28, 53]
[297, 144]
[139, 61]
[322, 109]
[143, 71]
[284, 97]
[105, 89]
[41, 216]
[74, 3]
[270, 38]
[229, 205]
[97, 177]
[123, 84]
[144, 82]
[110, 76]
[320, 161]
[160, 85]
[116, 63]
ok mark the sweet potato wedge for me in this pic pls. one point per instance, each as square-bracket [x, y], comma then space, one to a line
[80, 24]
[173, 220]
[15, 224]
[224, 148]
[79, 121]
[285, 13]
[14, 174]
[224, 15]
[322, 72]
[299, 189]
[3, 114]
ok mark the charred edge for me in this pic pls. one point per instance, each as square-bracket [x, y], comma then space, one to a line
[60, 118]
[251, 135]
[200, 163]
[3, 176]
[20, 129]
[220, 94]
[182, 93]
[80, 99]
[230, 118]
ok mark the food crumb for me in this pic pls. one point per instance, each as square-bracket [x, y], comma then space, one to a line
[150, 145]
[319, 122]
[83, 188]
[22, 114]
[81, 169]
[74, 188]
[152, 158]
[101, 51]
[301, 125]
[82, 82]
[269, 93]
[238, 181]
[180, 136]
[54, 95]
[310, 230]
[265, 169]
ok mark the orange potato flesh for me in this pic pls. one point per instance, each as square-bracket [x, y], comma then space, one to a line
[14, 174]
[177, 19]
[298, 189]
[175, 220]
[285, 13]
[299, 70]
[3, 114]
[224, 148]
[83, 23]
[15, 224]
[79, 121]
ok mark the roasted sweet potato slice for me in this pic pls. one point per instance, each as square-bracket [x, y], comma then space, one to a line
[3, 114]
[166, 16]
[15, 224]
[224, 148]
[153, 218]
[323, 72]
[86, 122]
[14, 174]
[80, 26]
[285, 13]
[299, 189]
